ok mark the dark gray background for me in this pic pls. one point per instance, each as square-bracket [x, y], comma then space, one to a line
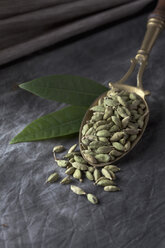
[48, 216]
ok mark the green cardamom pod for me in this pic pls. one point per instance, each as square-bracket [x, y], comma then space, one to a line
[117, 136]
[114, 128]
[133, 137]
[103, 133]
[62, 163]
[84, 129]
[113, 168]
[77, 190]
[71, 160]
[109, 102]
[99, 123]
[90, 158]
[132, 96]
[112, 174]
[111, 188]
[122, 112]
[70, 171]
[106, 173]
[77, 174]
[66, 180]
[89, 175]
[121, 101]
[125, 121]
[68, 155]
[132, 131]
[97, 108]
[123, 141]
[103, 149]
[127, 146]
[96, 117]
[105, 182]
[103, 158]
[96, 144]
[85, 141]
[92, 198]
[91, 169]
[103, 139]
[140, 123]
[90, 131]
[108, 113]
[58, 148]
[96, 174]
[118, 146]
[116, 120]
[72, 149]
[52, 178]
[79, 159]
[115, 153]
[79, 166]
[103, 127]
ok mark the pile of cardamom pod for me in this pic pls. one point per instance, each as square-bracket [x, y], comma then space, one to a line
[116, 122]
[77, 168]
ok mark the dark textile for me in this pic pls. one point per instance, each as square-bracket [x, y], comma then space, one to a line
[27, 26]
[51, 216]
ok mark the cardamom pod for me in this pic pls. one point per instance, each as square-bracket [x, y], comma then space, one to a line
[108, 113]
[114, 128]
[118, 146]
[132, 96]
[91, 137]
[96, 144]
[62, 163]
[103, 127]
[125, 121]
[89, 175]
[106, 173]
[117, 136]
[79, 159]
[105, 182]
[115, 153]
[77, 190]
[66, 180]
[103, 149]
[122, 112]
[97, 108]
[133, 137]
[111, 188]
[116, 120]
[121, 101]
[109, 102]
[70, 171]
[91, 169]
[103, 158]
[68, 155]
[72, 149]
[113, 168]
[90, 131]
[103, 139]
[84, 129]
[127, 146]
[92, 198]
[90, 158]
[96, 174]
[77, 174]
[58, 148]
[103, 133]
[132, 131]
[52, 178]
[79, 166]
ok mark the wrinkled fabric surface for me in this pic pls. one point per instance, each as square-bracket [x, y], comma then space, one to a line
[28, 26]
[38, 215]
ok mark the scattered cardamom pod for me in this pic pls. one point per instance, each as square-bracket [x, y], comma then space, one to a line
[66, 180]
[111, 188]
[89, 175]
[72, 149]
[58, 148]
[77, 190]
[106, 173]
[96, 174]
[77, 174]
[52, 178]
[70, 171]
[92, 198]
[62, 163]
[79, 166]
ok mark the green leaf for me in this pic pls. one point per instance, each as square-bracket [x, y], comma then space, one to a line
[63, 122]
[70, 89]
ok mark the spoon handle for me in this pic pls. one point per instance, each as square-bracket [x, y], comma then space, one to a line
[159, 11]
[155, 24]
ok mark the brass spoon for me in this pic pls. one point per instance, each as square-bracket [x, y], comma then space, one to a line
[154, 26]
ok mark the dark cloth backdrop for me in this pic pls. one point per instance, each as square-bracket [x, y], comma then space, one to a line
[27, 26]
[38, 215]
